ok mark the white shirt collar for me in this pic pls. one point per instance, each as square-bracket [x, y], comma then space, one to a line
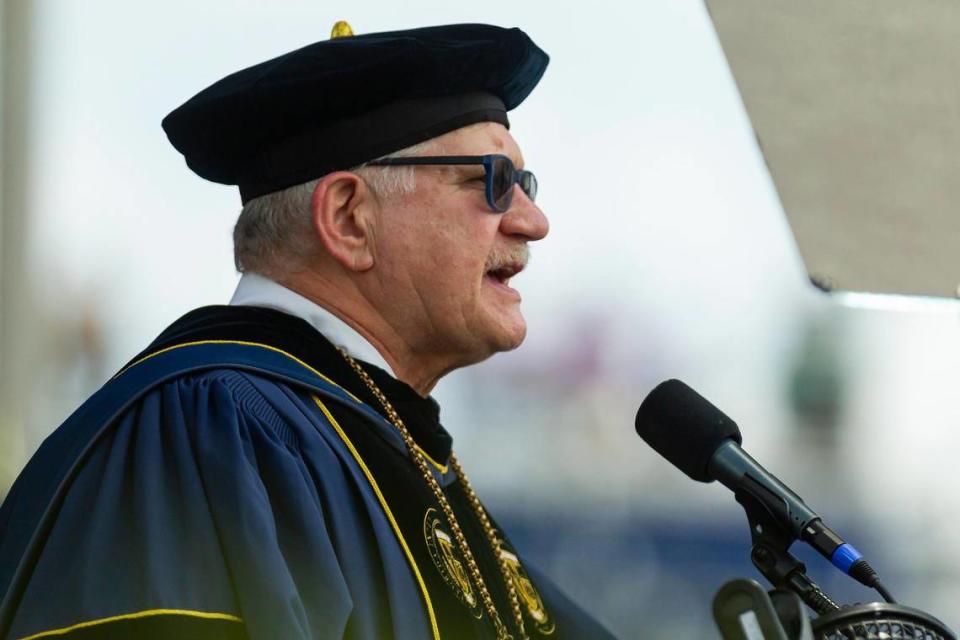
[256, 290]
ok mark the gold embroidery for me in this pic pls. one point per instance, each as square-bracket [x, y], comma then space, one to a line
[386, 510]
[133, 616]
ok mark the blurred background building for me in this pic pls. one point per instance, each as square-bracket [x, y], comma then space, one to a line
[669, 257]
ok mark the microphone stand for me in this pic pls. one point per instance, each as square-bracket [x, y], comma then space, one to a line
[743, 611]
[771, 557]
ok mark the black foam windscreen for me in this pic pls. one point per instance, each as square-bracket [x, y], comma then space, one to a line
[683, 427]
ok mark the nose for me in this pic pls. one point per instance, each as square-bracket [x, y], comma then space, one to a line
[524, 218]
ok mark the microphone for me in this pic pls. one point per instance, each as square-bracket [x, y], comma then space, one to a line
[700, 440]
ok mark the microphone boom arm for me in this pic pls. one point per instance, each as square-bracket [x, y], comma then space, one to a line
[770, 555]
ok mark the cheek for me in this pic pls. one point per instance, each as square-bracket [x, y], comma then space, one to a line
[455, 275]
[443, 242]
[456, 252]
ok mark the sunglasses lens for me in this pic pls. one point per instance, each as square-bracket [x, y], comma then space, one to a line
[528, 182]
[503, 181]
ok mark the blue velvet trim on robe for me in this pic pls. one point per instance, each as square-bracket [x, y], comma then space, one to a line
[245, 497]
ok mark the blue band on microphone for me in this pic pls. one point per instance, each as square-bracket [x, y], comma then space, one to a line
[844, 556]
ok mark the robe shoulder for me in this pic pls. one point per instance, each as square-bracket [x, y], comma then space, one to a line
[211, 509]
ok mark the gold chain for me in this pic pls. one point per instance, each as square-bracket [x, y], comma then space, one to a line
[420, 461]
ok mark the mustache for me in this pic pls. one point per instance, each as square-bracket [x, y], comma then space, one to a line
[511, 255]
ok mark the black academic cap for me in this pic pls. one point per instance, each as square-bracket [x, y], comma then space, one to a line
[338, 103]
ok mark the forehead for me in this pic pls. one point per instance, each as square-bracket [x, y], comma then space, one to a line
[479, 139]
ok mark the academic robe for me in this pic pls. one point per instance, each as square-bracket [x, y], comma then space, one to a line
[239, 480]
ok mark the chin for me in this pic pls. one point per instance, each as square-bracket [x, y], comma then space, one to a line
[511, 336]
[499, 328]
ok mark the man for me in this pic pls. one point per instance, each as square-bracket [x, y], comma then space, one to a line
[276, 468]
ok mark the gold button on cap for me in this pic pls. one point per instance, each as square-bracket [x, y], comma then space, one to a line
[341, 29]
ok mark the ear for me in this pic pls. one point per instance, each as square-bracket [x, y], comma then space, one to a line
[342, 209]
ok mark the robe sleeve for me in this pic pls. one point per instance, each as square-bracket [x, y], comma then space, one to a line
[177, 525]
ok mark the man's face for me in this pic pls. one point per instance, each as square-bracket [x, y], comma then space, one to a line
[444, 259]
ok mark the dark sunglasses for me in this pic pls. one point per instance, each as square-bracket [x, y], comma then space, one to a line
[501, 175]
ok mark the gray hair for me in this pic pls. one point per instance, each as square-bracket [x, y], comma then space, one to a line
[274, 232]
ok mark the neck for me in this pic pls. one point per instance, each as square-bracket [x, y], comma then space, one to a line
[421, 372]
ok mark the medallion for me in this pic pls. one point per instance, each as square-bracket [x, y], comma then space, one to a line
[448, 561]
[529, 597]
